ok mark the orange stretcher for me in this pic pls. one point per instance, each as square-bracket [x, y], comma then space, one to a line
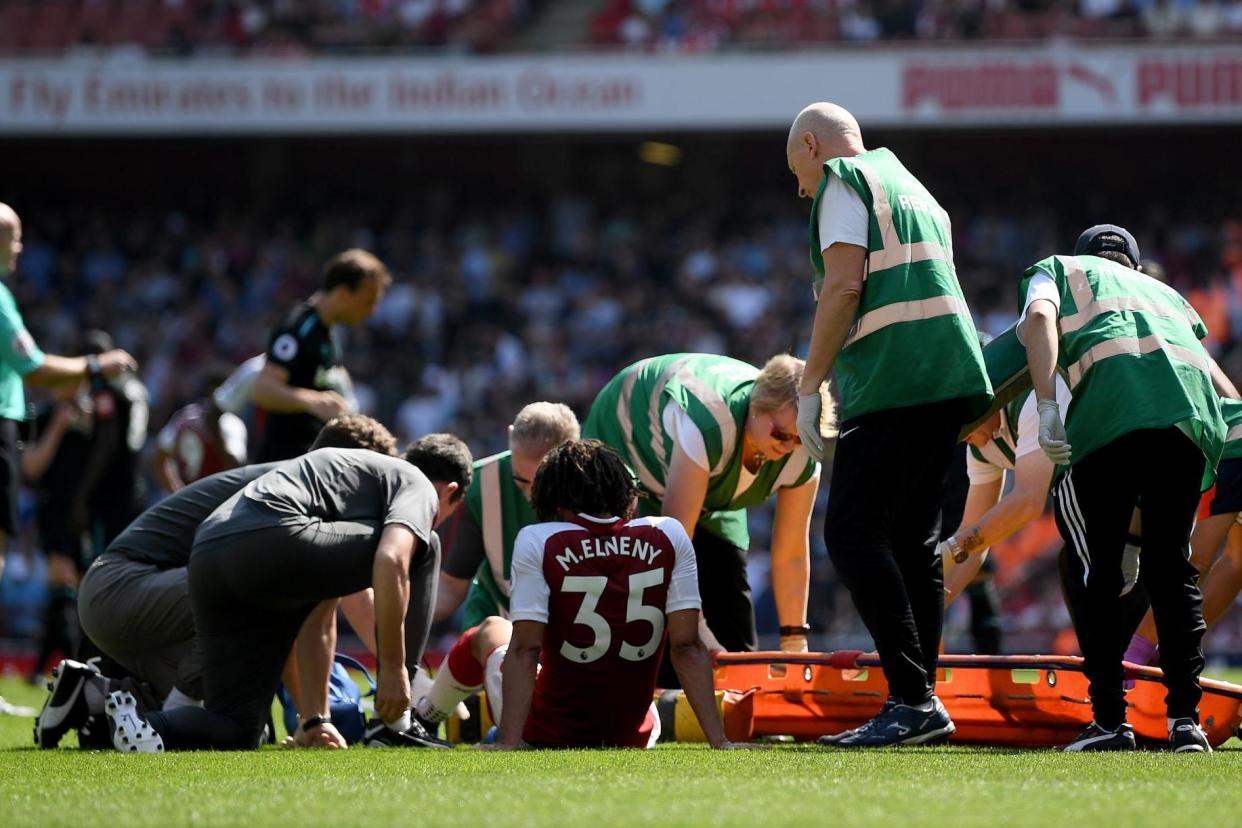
[1022, 701]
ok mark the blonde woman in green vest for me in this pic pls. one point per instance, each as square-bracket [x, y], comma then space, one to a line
[891, 319]
[476, 568]
[1145, 427]
[708, 437]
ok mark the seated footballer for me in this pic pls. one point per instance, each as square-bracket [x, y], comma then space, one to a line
[594, 592]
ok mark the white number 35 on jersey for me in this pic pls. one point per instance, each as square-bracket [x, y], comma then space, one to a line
[592, 587]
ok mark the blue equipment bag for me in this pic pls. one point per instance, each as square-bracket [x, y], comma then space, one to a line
[344, 700]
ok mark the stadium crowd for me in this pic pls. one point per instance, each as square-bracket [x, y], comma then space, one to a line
[289, 29]
[260, 27]
[707, 25]
[511, 303]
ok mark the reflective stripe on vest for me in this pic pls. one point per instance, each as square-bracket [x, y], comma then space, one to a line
[912, 311]
[493, 523]
[627, 435]
[714, 404]
[717, 406]
[1089, 307]
[1123, 345]
[894, 253]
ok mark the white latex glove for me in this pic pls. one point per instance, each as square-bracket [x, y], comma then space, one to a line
[810, 406]
[1052, 433]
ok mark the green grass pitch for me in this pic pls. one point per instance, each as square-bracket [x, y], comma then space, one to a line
[672, 785]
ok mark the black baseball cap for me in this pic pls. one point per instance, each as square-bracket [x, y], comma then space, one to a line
[1104, 237]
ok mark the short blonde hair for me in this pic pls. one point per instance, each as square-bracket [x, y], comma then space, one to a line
[542, 426]
[777, 386]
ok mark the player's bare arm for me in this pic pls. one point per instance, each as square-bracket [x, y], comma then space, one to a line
[520, 667]
[694, 669]
[390, 581]
[791, 558]
[315, 648]
[273, 392]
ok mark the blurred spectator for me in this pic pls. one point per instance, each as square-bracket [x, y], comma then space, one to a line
[282, 28]
[272, 28]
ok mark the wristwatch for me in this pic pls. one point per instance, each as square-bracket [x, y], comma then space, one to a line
[313, 721]
[797, 629]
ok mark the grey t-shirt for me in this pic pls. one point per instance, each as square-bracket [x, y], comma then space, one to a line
[354, 485]
[164, 534]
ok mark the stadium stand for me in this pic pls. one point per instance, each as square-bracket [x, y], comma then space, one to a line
[706, 25]
[263, 27]
[276, 28]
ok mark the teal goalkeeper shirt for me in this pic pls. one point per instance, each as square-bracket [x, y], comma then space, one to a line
[19, 355]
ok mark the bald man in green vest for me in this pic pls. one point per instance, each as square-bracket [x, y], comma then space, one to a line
[892, 320]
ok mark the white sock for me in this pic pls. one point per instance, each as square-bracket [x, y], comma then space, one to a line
[178, 699]
[493, 680]
[445, 693]
[400, 725]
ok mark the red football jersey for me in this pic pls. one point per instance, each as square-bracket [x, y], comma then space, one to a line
[189, 438]
[603, 587]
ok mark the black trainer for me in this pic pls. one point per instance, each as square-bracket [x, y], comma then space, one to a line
[65, 707]
[431, 728]
[378, 734]
[1094, 737]
[900, 724]
[833, 738]
[1185, 736]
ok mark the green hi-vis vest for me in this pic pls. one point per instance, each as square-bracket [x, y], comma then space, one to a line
[501, 510]
[1000, 450]
[913, 340]
[1131, 353]
[1231, 410]
[714, 391]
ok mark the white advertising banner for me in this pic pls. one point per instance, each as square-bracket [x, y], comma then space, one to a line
[1056, 85]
